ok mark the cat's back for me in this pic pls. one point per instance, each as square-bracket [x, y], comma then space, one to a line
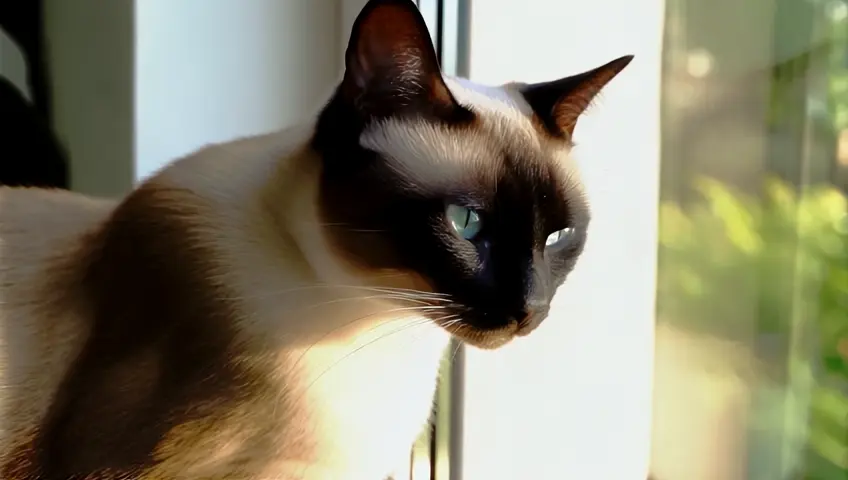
[37, 224]
[42, 239]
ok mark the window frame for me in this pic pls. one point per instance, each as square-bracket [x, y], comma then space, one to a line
[442, 444]
[439, 447]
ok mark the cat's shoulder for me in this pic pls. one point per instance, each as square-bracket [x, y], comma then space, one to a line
[234, 165]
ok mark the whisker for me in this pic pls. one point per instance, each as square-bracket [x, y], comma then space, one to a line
[449, 320]
[351, 322]
[369, 297]
[417, 323]
[300, 309]
[346, 356]
[456, 350]
[411, 293]
[411, 290]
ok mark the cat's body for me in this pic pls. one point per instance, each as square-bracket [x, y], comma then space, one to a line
[278, 307]
[346, 376]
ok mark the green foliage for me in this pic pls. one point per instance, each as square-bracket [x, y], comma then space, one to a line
[781, 259]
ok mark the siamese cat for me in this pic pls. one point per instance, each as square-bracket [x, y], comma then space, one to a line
[277, 307]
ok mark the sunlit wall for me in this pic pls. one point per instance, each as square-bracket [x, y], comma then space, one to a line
[573, 400]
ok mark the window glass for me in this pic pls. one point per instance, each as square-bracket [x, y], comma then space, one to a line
[751, 371]
[717, 165]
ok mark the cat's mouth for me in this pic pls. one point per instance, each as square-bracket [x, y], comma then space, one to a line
[487, 338]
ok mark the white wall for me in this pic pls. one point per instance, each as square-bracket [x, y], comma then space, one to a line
[210, 70]
[573, 400]
[349, 10]
[139, 83]
[90, 47]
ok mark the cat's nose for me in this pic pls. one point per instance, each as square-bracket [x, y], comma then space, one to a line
[532, 317]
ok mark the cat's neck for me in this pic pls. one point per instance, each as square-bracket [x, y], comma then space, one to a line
[269, 180]
[256, 202]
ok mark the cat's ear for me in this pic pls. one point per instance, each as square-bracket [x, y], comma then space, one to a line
[390, 63]
[561, 102]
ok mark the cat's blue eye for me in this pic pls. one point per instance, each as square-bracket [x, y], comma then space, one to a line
[464, 221]
[559, 237]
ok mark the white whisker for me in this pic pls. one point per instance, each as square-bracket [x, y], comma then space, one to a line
[379, 325]
[417, 323]
[410, 293]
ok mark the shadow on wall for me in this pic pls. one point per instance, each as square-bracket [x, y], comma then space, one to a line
[32, 156]
[31, 153]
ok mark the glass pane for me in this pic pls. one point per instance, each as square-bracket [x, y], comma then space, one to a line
[751, 369]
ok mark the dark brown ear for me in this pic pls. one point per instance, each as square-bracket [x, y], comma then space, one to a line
[561, 102]
[391, 65]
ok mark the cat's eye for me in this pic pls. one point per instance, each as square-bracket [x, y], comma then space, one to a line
[464, 221]
[559, 237]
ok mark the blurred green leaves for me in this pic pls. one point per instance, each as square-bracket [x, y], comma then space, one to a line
[736, 266]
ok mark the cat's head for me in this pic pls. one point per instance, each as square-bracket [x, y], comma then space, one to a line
[469, 188]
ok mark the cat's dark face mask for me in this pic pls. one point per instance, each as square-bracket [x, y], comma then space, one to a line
[479, 200]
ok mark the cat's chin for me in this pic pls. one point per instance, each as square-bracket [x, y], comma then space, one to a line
[483, 338]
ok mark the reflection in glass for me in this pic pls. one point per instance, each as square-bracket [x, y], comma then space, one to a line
[751, 369]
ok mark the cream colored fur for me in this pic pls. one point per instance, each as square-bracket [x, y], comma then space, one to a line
[38, 339]
[366, 385]
[362, 363]
[429, 155]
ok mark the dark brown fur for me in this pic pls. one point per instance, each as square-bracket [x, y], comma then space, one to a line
[159, 354]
